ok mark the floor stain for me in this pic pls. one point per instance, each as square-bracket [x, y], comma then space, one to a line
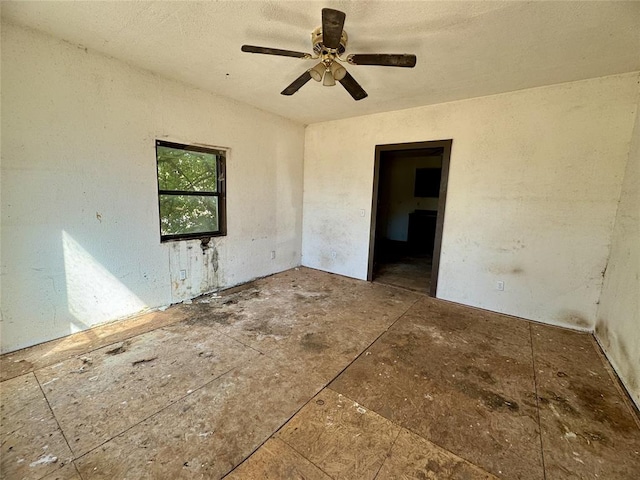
[118, 349]
[143, 360]
[603, 408]
[260, 326]
[595, 437]
[562, 404]
[446, 373]
[211, 317]
[431, 466]
[311, 297]
[479, 373]
[313, 342]
[491, 400]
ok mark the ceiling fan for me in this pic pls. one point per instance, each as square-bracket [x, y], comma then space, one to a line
[329, 42]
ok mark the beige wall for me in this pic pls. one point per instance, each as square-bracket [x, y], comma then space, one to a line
[80, 235]
[535, 178]
[618, 324]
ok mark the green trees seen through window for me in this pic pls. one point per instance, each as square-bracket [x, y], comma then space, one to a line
[189, 186]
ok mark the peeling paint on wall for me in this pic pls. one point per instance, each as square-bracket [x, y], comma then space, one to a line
[195, 270]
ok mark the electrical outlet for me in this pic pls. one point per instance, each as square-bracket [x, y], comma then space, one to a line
[362, 212]
[334, 255]
[183, 274]
[273, 254]
[500, 285]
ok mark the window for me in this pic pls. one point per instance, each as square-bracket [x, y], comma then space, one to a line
[190, 191]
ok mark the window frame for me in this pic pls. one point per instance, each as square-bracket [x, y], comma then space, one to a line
[221, 156]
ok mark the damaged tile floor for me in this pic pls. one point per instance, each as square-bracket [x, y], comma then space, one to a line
[308, 375]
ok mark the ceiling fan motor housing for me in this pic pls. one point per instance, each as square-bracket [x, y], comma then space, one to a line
[321, 50]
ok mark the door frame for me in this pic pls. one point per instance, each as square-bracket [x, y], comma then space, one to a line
[442, 199]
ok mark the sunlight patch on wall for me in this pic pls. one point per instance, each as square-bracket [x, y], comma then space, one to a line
[94, 295]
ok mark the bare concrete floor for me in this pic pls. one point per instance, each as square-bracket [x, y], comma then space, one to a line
[410, 272]
[310, 375]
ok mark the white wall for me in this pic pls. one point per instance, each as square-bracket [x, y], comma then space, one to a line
[535, 178]
[618, 325]
[80, 235]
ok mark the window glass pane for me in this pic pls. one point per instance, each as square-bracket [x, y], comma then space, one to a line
[186, 170]
[186, 214]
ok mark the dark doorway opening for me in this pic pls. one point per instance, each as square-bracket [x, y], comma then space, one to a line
[409, 195]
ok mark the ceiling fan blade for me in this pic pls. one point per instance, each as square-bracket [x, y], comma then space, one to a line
[297, 84]
[273, 51]
[350, 85]
[332, 25]
[383, 59]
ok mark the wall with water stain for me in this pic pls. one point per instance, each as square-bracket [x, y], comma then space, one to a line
[80, 229]
[618, 323]
[535, 178]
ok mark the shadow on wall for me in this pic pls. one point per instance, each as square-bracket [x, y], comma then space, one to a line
[94, 295]
[77, 292]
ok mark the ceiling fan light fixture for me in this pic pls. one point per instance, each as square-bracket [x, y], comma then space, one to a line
[317, 72]
[328, 81]
[338, 71]
[329, 42]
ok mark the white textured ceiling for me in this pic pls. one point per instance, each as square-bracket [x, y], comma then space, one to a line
[464, 49]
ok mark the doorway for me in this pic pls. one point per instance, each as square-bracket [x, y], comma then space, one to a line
[409, 196]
